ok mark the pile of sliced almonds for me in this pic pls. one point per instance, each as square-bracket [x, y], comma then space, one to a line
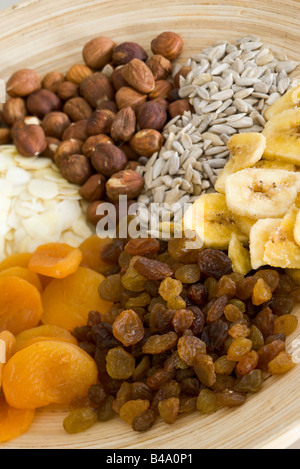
[37, 205]
[255, 213]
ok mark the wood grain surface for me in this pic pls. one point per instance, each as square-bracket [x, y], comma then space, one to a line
[50, 35]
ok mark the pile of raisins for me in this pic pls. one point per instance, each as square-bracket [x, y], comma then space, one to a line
[184, 333]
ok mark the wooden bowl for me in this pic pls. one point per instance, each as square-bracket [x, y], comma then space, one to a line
[50, 35]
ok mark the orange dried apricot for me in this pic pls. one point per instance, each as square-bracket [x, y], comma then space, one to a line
[57, 260]
[37, 334]
[23, 273]
[13, 422]
[91, 249]
[67, 302]
[7, 349]
[15, 260]
[20, 305]
[47, 372]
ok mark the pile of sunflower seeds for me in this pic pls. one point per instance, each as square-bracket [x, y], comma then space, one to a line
[229, 86]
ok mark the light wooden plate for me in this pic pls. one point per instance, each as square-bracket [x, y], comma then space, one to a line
[50, 35]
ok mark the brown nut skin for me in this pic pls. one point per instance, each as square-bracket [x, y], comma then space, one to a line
[146, 142]
[98, 52]
[94, 188]
[161, 90]
[67, 90]
[127, 96]
[96, 89]
[127, 51]
[126, 182]
[160, 67]
[67, 148]
[151, 115]
[108, 105]
[108, 159]
[117, 78]
[13, 110]
[91, 143]
[76, 169]
[173, 95]
[52, 81]
[42, 102]
[78, 109]
[179, 107]
[52, 146]
[77, 130]
[131, 155]
[124, 125]
[23, 82]
[77, 73]
[5, 136]
[100, 122]
[168, 44]
[55, 123]
[91, 212]
[139, 76]
[30, 140]
[183, 72]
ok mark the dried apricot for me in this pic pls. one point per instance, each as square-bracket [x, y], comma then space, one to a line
[20, 305]
[67, 302]
[50, 372]
[16, 260]
[7, 349]
[25, 274]
[57, 260]
[13, 422]
[36, 334]
[91, 249]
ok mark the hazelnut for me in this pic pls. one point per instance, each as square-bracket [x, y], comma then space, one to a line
[173, 95]
[183, 72]
[108, 159]
[94, 188]
[109, 105]
[76, 169]
[77, 73]
[76, 130]
[164, 103]
[91, 212]
[139, 76]
[55, 123]
[42, 102]
[23, 83]
[126, 182]
[5, 136]
[117, 78]
[161, 90]
[100, 122]
[52, 81]
[30, 140]
[151, 115]
[131, 155]
[146, 142]
[78, 109]
[133, 165]
[96, 89]
[127, 51]
[67, 148]
[67, 90]
[168, 44]
[91, 143]
[13, 110]
[127, 96]
[52, 146]
[98, 52]
[160, 67]
[179, 107]
[124, 124]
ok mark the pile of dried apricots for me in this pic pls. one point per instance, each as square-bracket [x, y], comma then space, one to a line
[43, 296]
